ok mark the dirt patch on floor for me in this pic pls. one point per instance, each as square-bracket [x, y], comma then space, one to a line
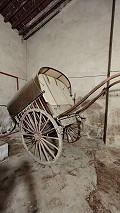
[105, 198]
[15, 145]
[15, 149]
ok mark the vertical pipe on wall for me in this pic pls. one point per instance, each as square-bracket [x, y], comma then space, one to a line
[17, 83]
[109, 68]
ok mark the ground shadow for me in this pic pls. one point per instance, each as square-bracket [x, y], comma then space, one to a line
[7, 185]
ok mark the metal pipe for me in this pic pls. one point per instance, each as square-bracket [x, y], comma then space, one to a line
[12, 76]
[109, 68]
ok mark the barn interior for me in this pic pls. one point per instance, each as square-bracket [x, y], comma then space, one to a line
[81, 39]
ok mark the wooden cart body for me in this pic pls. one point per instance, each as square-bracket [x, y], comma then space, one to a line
[46, 94]
[49, 90]
[47, 115]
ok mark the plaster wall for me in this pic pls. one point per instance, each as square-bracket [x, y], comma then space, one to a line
[76, 42]
[12, 61]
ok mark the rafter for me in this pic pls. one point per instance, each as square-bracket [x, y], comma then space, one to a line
[3, 4]
[47, 19]
[42, 15]
[15, 10]
[34, 30]
[29, 12]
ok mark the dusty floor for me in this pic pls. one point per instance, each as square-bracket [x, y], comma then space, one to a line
[85, 179]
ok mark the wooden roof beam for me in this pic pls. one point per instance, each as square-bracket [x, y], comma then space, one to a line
[29, 12]
[13, 12]
[40, 25]
[3, 4]
[46, 20]
[43, 14]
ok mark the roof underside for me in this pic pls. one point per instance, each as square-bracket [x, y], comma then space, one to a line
[28, 16]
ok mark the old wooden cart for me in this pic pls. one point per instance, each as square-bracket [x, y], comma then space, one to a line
[46, 114]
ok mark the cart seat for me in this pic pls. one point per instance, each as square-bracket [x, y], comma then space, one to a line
[56, 94]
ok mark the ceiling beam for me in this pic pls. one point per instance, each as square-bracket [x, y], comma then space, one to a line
[43, 14]
[12, 13]
[3, 4]
[46, 20]
[29, 12]
[34, 30]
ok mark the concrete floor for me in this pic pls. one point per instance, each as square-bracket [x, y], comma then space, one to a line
[85, 179]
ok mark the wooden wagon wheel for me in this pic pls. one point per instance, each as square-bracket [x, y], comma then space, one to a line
[71, 132]
[41, 136]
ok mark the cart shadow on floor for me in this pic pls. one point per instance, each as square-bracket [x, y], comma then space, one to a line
[8, 182]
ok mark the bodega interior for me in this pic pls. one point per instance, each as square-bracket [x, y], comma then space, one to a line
[78, 44]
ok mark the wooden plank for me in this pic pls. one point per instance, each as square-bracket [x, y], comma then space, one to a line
[3, 4]
[41, 4]
[15, 10]
[43, 14]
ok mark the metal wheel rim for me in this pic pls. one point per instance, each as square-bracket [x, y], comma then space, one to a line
[40, 136]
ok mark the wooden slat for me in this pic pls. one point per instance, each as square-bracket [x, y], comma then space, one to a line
[39, 26]
[15, 10]
[43, 14]
[46, 19]
[41, 4]
[3, 4]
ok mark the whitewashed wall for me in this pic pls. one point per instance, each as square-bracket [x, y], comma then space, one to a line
[76, 42]
[12, 61]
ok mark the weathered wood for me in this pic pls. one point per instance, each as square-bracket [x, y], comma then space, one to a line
[3, 4]
[15, 10]
[42, 4]
[40, 25]
[42, 15]
[39, 144]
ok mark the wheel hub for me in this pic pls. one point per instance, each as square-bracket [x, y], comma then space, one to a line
[37, 136]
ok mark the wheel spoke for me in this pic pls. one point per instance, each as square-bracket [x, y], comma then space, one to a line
[36, 127]
[31, 122]
[27, 129]
[73, 131]
[49, 131]
[40, 151]
[40, 136]
[67, 135]
[71, 135]
[50, 143]
[54, 138]
[44, 125]
[40, 122]
[30, 126]
[48, 149]
[44, 151]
